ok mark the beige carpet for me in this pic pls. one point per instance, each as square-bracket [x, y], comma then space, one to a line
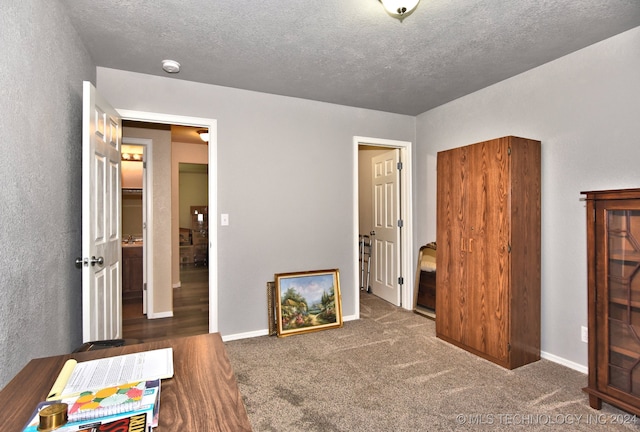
[388, 372]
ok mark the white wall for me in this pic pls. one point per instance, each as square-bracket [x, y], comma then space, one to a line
[43, 65]
[585, 108]
[284, 177]
[161, 304]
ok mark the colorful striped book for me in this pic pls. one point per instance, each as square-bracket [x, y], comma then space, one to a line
[102, 409]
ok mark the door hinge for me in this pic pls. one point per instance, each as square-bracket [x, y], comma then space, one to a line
[509, 248]
[400, 280]
[399, 166]
[144, 286]
[144, 165]
[509, 347]
[400, 223]
[509, 151]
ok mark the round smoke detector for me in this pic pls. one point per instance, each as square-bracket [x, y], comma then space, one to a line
[170, 66]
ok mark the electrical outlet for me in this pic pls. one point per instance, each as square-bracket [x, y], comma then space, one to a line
[585, 334]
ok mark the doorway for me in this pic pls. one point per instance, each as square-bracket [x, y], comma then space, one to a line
[164, 242]
[187, 186]
[364, 150]
[134, 222]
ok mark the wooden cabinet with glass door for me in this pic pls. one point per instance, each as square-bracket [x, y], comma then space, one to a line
[613, 251]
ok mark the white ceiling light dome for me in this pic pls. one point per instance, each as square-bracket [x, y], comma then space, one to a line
[170, 66]
[399, 7]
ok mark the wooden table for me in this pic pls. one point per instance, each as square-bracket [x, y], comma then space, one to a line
[202, 395]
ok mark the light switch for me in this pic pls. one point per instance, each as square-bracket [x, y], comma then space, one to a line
[224, 219]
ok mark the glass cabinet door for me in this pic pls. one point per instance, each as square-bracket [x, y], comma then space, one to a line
[622, 269]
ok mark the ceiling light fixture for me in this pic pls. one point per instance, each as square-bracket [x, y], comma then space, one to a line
[170, 66]
[204, 135]
[399, 8]
[131, 157]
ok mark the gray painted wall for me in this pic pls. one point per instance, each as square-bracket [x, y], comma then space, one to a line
[43, 66]
[584, 108]
[285, 177]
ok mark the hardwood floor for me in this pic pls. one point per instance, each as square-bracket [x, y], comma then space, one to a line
[190, 311]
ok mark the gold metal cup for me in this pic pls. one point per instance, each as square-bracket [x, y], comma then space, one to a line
[53, 416]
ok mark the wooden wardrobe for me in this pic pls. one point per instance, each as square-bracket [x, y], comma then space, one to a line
[488, 261]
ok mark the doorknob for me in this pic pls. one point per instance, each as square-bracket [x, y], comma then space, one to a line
[87, 261]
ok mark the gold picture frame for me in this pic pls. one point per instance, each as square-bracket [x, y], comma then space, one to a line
[271, 308]
[307, 301]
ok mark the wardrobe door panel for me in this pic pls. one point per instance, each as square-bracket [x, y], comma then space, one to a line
[488, 263]
[451, 258]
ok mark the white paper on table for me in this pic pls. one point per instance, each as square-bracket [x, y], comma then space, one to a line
[112, 371]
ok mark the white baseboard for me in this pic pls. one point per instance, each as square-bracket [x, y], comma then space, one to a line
[246, 335]
[564, 362]
[265, 332]
[167, 314]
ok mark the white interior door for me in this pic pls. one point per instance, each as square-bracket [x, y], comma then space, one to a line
[385, 236]
[101, 232]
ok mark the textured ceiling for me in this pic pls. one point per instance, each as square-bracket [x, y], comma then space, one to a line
[348, 52]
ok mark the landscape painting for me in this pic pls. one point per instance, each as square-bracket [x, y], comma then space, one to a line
[308, 301]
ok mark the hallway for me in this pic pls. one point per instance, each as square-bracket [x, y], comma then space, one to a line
[190, 310]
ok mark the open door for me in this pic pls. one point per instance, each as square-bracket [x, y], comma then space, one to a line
[385, 236]
[101, 232]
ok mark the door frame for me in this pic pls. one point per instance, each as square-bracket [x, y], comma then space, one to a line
[147, 216]
[406, 210]
[212, 125]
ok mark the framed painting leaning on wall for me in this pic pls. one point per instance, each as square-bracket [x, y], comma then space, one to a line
[307, 301]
